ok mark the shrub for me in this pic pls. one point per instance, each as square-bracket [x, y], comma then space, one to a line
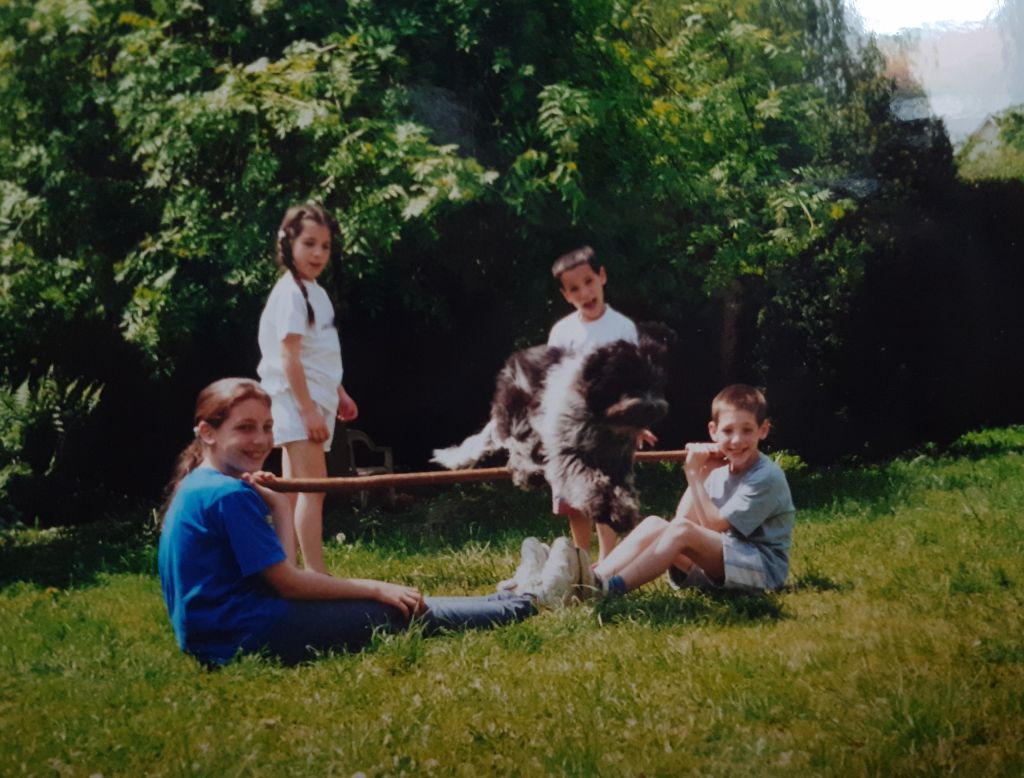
[37, 419]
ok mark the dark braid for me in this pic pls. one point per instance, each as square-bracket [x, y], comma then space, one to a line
[291, 229]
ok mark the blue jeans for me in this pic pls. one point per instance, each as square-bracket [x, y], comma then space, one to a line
[348, 625]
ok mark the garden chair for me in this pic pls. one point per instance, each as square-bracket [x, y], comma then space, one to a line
[381, 454]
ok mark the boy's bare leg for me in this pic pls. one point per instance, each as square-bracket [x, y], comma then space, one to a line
[645, 533]
[580, 527]
[305, 459]
[681, 543]
[607, 539]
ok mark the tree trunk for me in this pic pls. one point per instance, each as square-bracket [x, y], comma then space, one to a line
[729, 340]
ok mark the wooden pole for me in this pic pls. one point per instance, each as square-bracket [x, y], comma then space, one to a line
[431, 478]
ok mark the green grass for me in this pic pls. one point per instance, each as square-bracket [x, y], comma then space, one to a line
[897, 649]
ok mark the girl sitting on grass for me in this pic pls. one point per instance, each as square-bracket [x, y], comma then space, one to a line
[227, 555]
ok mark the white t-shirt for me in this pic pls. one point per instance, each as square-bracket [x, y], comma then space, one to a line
[285, 314]
[575, 334]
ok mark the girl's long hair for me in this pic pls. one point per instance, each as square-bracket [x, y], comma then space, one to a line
[289, 232]
[213, 406]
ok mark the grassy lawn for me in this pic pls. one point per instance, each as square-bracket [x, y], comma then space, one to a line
[897, 649]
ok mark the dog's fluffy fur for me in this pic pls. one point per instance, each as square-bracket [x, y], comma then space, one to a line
[573, 420]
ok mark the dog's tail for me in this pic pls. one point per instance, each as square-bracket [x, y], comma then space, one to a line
[470, 451]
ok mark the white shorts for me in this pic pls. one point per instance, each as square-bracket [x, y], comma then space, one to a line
[744, 570]
[288, 424]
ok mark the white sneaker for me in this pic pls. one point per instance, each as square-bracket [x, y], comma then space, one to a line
[533, 555]
[560, 576]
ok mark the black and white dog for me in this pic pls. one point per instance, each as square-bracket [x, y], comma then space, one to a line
[573, 420]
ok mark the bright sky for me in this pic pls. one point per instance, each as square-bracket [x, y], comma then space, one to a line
[888, 16]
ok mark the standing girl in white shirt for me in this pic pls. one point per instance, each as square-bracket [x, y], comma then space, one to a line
[300, 365]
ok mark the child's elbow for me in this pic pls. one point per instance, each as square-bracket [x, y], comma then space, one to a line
[282, 578]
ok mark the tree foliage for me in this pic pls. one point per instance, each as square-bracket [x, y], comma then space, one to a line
[710, 151]
[36, 420]
[172, 136]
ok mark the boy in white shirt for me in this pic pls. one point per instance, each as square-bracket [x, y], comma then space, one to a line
[593, 323]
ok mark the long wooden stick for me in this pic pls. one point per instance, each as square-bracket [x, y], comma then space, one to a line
[431, 478]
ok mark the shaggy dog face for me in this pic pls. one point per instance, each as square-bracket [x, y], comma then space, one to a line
[573, 420]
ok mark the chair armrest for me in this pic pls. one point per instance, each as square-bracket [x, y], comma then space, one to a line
[358, 436]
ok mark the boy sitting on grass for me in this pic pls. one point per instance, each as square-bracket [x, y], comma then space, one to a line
[734, 523]
[732, 529]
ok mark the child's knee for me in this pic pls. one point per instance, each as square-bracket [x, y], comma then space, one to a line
[653, 523]
[681, 535]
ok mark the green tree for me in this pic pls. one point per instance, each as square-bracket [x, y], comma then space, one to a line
[722, 133]
[147, 151]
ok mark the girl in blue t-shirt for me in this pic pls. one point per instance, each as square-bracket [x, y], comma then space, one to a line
[227, 554]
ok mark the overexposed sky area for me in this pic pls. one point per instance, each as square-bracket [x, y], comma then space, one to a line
[968, 59]
[889, 16]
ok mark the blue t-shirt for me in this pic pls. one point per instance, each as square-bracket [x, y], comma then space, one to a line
[758, 505]
[216, 539]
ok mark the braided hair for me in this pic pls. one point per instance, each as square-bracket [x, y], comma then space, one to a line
[289, 232]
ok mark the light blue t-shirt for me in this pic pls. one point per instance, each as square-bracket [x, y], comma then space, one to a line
[215, 540]
[758, 505]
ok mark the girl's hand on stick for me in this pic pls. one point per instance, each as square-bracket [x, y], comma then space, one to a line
[263, 481]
